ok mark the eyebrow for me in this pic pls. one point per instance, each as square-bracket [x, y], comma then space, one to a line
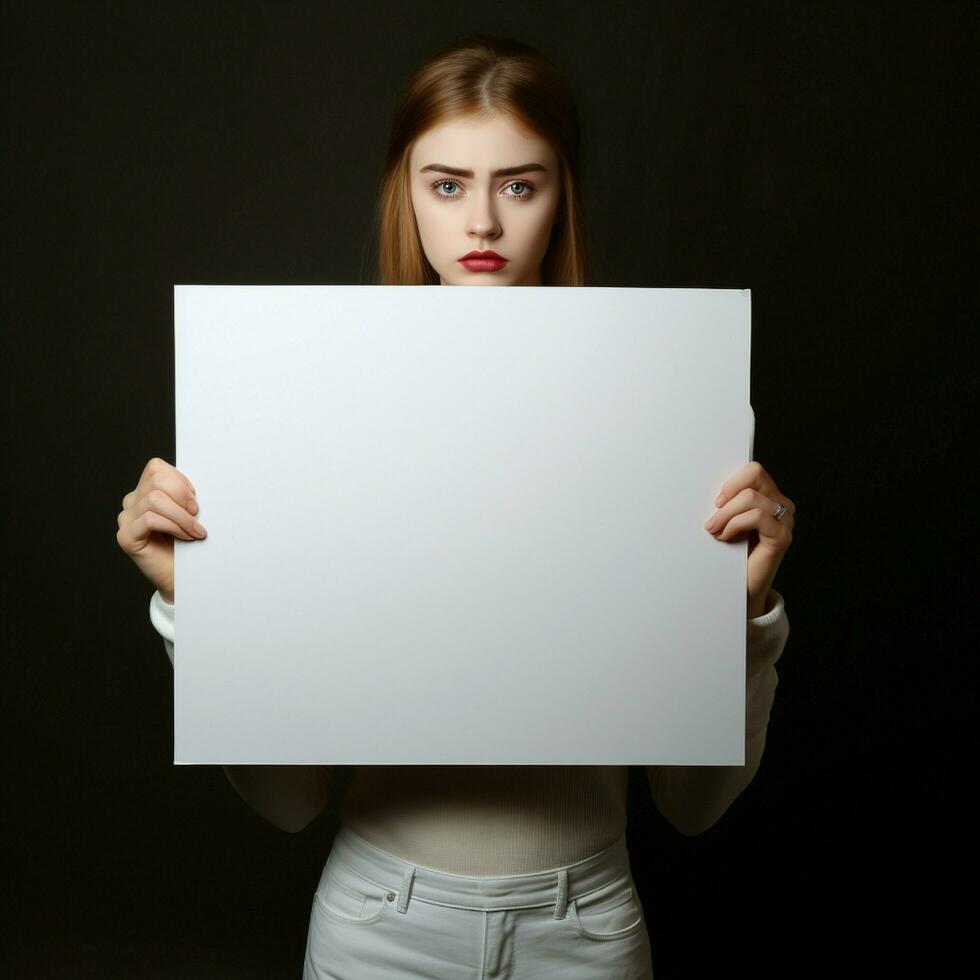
[503, 172]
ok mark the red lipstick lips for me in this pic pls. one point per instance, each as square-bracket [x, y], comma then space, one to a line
[488, 261]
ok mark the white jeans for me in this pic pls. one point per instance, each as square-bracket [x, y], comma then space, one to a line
[377, 917]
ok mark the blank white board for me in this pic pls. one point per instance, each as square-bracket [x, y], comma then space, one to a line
[460, 525]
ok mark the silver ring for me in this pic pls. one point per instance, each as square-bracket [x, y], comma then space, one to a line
[778, 512]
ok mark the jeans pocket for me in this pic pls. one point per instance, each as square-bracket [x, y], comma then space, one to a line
[611, 912]
[346, 897]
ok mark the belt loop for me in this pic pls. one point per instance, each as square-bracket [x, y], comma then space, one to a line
[562, 902]
[406, 889]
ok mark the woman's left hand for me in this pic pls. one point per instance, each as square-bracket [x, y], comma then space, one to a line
[746, 503]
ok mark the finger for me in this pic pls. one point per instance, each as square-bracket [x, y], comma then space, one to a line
[775, 533]
[753, 476]
[159, 473]
[160, 467]
[168, 479]
[160, 502]
[134, 532]
[743, 501]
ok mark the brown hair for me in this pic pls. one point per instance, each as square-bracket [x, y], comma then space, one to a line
[481, 75]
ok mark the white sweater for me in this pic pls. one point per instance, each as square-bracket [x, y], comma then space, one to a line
[484, 820]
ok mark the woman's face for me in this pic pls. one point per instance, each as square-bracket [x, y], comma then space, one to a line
[465, 201]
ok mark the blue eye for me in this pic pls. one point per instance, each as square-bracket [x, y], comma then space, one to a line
[442, 183]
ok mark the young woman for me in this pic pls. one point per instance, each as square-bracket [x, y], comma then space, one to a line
[510, 871]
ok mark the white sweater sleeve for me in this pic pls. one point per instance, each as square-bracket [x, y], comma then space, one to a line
[693, 798]
[162, 617]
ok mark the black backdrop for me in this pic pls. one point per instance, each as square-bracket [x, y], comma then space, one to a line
[815, 153]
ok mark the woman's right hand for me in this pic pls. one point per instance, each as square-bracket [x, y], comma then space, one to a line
[160, 508]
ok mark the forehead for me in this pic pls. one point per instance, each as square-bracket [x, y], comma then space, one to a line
[480, 144]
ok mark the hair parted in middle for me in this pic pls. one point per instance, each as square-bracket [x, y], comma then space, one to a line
[481, 75]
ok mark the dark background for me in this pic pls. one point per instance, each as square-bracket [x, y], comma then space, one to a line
[813, 152]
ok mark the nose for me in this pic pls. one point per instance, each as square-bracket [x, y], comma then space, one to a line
[482, 221]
